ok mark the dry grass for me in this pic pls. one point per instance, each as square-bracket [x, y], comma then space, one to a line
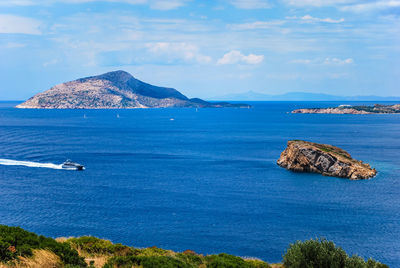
[62, 239]
[97, 261]
[41, 259]
[276, 265]
[46, 259]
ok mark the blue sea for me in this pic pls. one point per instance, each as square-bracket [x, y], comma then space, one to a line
[204, 179]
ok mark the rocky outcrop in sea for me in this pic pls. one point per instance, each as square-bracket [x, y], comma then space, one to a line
[328, 160]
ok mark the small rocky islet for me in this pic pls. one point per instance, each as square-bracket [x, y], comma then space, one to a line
[349, 109]
[328, 160]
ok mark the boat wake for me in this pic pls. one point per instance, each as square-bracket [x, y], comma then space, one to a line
[9, 162]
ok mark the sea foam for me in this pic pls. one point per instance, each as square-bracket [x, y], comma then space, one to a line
[9, 162]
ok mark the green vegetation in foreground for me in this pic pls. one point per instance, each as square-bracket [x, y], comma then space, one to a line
[323, 253]
[15, 241]
[73, 252]
[186, 259]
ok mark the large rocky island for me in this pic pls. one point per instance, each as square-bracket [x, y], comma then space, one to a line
[348, 109]
[328, 160]
[114, 90]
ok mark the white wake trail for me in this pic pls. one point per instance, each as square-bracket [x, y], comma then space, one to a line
[9, 162]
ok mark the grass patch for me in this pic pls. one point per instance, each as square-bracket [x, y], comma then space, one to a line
[95, 246]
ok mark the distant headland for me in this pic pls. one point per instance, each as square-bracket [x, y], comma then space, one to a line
[300, 96]
[349, 109]
[115, 90]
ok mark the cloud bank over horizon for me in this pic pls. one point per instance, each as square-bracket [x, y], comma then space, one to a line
[204, 49]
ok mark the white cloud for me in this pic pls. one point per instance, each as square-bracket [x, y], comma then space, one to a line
[13, 45]
[17, 3]
[347, 5]
[236, 56]
[326, 61]
[49, 2]
[167, 5]
[51, 62]
[250, 4]
[154, 4]
[132, 2]
[178, 51]
[18, 25]
[302, 61]
[257, 25]
[338, 61]
[240, 76]
[308, 18]
[372, 6]
[317, 3]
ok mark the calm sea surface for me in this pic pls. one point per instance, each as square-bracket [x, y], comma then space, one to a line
[206, 181]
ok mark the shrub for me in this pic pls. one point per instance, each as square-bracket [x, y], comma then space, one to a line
[182, 260]
[122, 250]
[154, 251]
[374, 264]
[5, 253]
[191, 258]
[258, 263]
[224, 260]
[314, 253]
[147, 262]
[22, 243]
[92, 245]
[358, 262]
[164, 262]
[322, 253]
[96, 246]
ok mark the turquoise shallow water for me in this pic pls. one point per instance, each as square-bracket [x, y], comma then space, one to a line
[206, 181]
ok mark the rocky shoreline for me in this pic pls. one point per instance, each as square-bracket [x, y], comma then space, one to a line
[328, 160]
[329, 111]
[348, 109]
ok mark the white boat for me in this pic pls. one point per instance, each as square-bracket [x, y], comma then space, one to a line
[69, 165]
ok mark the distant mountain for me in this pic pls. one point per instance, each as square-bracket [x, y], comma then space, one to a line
[299, 96]
[114, 90]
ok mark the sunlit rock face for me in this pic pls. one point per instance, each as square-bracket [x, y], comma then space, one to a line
[303, 156]
[114, 90]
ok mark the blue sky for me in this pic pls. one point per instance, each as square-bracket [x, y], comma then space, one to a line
[204, 48]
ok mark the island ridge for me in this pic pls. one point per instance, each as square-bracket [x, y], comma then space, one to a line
[115, 90]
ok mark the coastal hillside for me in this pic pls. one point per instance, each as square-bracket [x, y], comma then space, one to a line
[114, 90]
[20, 248]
